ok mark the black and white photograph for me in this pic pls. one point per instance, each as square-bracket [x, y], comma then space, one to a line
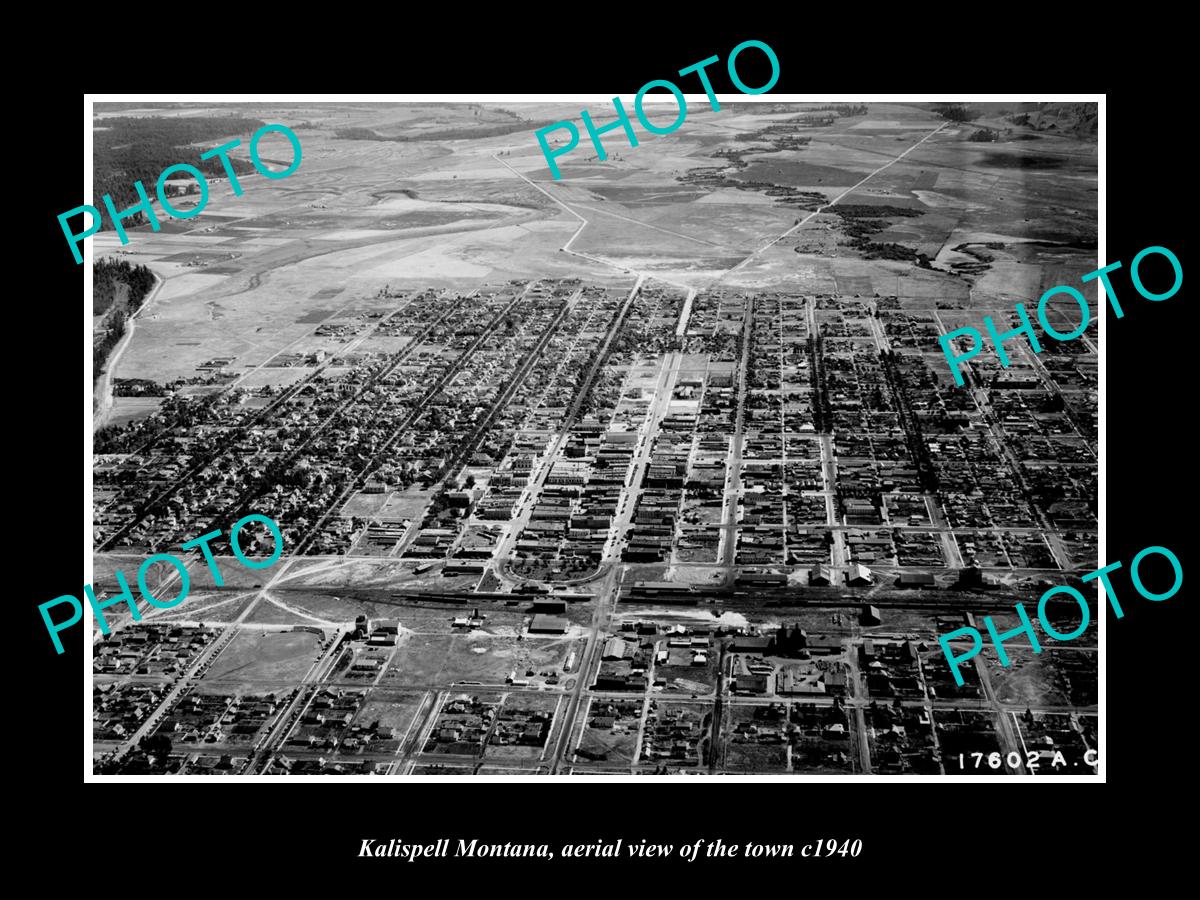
[514, 438]
[560, 452]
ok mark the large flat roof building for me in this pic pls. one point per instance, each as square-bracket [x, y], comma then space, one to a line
[548, 625]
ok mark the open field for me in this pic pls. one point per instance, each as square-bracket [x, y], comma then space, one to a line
[436, 659]
[266, 656]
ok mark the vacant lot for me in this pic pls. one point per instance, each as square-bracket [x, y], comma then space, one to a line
[1054, 678]
[608, 745]
[476, 656]
[266, 656]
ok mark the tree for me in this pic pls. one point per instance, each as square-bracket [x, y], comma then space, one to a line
[155, 745]
[955, 112]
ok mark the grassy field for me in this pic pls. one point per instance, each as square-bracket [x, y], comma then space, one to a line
[390, 709]
[266, 656]
[609, 746]
[1057, 678]
[756, 758]
[477, 656]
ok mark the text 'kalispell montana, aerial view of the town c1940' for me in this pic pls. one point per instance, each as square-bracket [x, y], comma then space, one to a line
[656, 468]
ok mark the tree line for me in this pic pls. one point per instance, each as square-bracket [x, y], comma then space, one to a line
[108, 275]
[955, 112]
[128, 149]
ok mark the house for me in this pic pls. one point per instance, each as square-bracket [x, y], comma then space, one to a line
[916, 580]
[859, 576]
[820, 576]
[869, 616]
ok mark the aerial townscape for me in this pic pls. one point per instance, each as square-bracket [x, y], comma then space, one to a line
[653, 469]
